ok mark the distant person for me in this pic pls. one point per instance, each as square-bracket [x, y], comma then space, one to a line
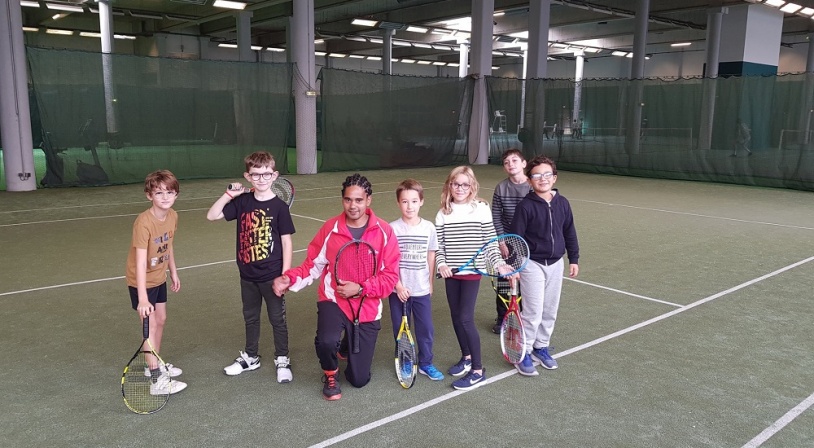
[743, 138]
[508, 193]
[151, 255]
[418, 243]
[545, 220]
[643, 130]
[264, 251]
[336, 297]
[545, 131]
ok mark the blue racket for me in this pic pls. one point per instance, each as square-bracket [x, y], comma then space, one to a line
[505, 250]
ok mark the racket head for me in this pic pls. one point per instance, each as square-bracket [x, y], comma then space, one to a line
[284, 190]
[406, 365]
[512, 336]
[502, 289]
[355, 262]
[136, 387]
[491, 258]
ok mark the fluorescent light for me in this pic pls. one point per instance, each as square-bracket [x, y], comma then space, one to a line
[499, 13]
[276, 50]
[498, 53]
[60, 32]
[775, 3]
[453, 64]
[256, 47]
[791, 8]
[227, 45]
[592, 50]
[89, 34]
[356, 38]
[145, 16]
[356, 56]
[374, 58]
[320, 53]
[228, 4]
[424, 62]
[681, 44]
[124, 36]
[559, 45]
[59, 16]
[442, 47]
[408, 61]
[439, 63]
[336, 55]
[619, 53]
[421, 45]
[29, 4]
[364, 22]
[60, 7]
[401, 43]
[30, 29]
[375, 40]
[319, 41]
[417, 29]
[629, 55]
[807, 11]
[495, 68]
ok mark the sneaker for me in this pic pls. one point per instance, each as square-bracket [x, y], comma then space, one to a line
[169, 368]
[462, 367]
[331, 390]
[433, 373]
[164, 385]
[343, 355]
[407, 369]
[496, 327]
[526, 367]
[541, 354]
[243, 363]
[283, 369]
[470, 381]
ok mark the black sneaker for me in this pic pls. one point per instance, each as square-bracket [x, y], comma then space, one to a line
[498, 324]
[331, 390]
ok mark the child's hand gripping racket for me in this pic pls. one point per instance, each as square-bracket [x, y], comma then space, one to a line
[355, 263]
[282, 188]
[502, 256]
[406, 367]
[141, 394]
[512, 336]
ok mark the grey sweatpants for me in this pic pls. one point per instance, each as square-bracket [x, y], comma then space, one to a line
[541, 287]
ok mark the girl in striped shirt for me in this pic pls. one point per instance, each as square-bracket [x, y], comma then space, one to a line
[463, 224]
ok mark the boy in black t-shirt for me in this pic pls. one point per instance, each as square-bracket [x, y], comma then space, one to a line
[264, 251]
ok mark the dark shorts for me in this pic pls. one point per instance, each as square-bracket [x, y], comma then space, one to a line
[155, 295]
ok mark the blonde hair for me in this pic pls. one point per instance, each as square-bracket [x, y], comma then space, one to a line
[446, 193]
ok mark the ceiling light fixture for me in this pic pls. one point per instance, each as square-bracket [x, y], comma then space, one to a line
[29, 4]
[791, 8]
[229, 4]
[417, 29]
[364, 22]
[681, 44]
[61, 7]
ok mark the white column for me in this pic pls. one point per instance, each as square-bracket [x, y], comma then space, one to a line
[580, 55]
[463, 51]
[482, 26]
[106, 30]
[387, 51]
[808, 95]
[305, 100]
[635, 105]
[714, 20]
[537, 68]
[523, 88]
[15, 116]
[244, 36]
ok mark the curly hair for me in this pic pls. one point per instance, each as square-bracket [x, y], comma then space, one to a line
[359, 181]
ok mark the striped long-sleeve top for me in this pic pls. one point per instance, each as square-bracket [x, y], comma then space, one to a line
[504, 201]
[462, 232]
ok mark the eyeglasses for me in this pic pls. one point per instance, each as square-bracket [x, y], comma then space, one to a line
[167, 194]
[538, 176]
[265, 176]
[458, 186]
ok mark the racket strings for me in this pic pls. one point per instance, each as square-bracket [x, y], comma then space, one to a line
[405, 359]
[515, 248]
[356, 263]
[512, 338]
[136, 387]
[283, 189]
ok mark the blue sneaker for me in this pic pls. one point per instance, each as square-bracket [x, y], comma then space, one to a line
[462, 367]
[431, 372]
[541, 354]
[470, 381]
[407, 369]
[526, 367]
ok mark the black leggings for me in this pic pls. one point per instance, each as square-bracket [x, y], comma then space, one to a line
[461, 296]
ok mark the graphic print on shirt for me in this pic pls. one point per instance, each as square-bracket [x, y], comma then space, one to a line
[413, 252]
[162, 244]
[255, 239]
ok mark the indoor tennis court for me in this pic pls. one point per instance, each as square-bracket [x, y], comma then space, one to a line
[689, 325]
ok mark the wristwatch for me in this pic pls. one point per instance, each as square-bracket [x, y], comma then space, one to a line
[361, 288]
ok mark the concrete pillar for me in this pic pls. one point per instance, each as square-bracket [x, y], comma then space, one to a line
[15, 116]
[482, 26]
[808, 96]
[714, 19]
[635, 104]
[387, 51]
[463, 51]
[580, 67]
[244, 36]
[106, 30]
[536, 69]
[305, 100]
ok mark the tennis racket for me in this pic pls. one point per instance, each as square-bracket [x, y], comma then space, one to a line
[282, 188]
[406, 367]
[139, 391]
[355, 262]
[489, 259]
[512, 336]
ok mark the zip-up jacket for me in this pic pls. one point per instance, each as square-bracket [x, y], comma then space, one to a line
[548, 228]
[321, 258]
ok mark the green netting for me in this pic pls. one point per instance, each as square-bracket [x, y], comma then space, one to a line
[670, 135]
[383, 121]
[195, 118]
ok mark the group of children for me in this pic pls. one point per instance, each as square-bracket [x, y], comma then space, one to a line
[410, 251]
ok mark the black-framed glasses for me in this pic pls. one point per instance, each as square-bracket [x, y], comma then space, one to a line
[538, 176]
[265, 176]
[458, 186]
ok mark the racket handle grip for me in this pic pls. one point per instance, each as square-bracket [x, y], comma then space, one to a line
[229, 187]
[454, 271]
[145, 327]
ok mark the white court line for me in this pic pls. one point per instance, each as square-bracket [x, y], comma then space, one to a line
[625, 292]
[699, 215]
[450, 395]
[780, 423]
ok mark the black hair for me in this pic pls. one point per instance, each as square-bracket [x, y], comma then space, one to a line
[359, 181]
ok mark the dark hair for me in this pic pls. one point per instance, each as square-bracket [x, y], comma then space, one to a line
[359, 181]
[156, 179]
[410, 184]
[259, 159]
[540, 160]
[512, 152]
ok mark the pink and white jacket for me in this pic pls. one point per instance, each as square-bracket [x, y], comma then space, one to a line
[321, 257]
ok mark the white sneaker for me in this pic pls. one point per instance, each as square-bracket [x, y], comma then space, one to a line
[169, 368]
[283, 369]
[164, 385]
[243, 363]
